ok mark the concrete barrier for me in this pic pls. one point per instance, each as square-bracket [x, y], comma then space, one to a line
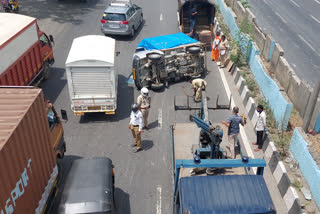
[283, 71]
[315, 121]
[259, 38]
[299, 93]
[250, 15]
[277, 52]
[299, 147]
[239, 11]
[267, 47]
[232, 3]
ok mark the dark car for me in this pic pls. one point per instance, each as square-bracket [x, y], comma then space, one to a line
[89, 187]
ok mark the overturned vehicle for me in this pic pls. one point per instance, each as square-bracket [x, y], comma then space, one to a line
[164, 59]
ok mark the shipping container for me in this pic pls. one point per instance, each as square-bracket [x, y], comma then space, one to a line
[92, 79]
[25, 52]
[28, 168]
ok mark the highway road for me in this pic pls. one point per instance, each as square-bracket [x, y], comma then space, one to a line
[295, 24]
[143, 180]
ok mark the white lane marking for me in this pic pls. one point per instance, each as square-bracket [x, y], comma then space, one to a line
[159, 200]
[281, 17]
[317, 1]
[161, 17]
[160, 118]
[310, 46]
[314, 18]
[242, 131]
[295, 3]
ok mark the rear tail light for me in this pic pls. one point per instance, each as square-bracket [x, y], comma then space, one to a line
[124, 22]
[103, 21]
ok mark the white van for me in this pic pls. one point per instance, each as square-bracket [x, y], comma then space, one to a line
[92, 79]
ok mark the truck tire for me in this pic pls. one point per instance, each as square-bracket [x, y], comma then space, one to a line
[46, 71]
[157, 86]
[154, 57]
[194, 50]
[140, 84]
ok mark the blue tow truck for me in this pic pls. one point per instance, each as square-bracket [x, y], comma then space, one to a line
[228, 188]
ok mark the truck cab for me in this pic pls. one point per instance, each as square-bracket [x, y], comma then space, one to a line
[56, 131]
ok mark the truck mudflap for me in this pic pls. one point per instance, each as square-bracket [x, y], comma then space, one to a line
[49, 193]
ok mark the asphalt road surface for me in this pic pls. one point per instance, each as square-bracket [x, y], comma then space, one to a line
[295, 24]
[144, 180]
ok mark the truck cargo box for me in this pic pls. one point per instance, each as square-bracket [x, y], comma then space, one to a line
[27, 161]
[92, 79]
[24, 50]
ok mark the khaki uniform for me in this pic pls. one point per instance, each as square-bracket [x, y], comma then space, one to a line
[144, 104]
[198, 87]
[223, 51]
[136, 124]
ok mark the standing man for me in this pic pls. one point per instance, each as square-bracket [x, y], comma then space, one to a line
[193, 17]
[260, 127]
[198, 85]
[215, 50]
[136, 124]
[233, 123]
[144, 104]
[223, 50]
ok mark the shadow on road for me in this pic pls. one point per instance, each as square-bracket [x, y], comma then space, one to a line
[54, 85]
[63, 11]
[122, 201]
[147, 144]
[124, 101]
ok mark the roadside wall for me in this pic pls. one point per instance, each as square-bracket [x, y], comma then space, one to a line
[280, 107]
[302, 150]
[298, 91]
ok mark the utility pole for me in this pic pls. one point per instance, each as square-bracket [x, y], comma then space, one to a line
[310, 107]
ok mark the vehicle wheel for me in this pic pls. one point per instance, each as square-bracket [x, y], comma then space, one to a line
[46, 71]
[157, 86]
[132, 32]
[194, 50]
[154, 57]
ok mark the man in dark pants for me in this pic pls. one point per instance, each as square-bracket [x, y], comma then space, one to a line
[260, 127]
[193, 17]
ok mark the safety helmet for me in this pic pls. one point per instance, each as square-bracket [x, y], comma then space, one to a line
[134, 107]
[144, 92]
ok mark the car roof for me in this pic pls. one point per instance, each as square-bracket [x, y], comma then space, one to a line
[117, 9]
[88, 186]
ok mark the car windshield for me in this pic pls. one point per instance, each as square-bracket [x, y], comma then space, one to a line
[114, 17]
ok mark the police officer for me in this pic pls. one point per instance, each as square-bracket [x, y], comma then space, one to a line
[136, 125]
[144, 103]
[198, 85]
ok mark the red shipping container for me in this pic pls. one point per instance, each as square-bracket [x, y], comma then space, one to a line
[27, 160]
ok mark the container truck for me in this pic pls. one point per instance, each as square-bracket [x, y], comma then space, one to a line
[25, 51]
[92, 79]
[31, 140]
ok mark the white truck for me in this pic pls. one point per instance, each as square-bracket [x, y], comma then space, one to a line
[92, 79]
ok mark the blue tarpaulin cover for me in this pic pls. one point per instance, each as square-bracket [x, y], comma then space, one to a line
[166, 41]
[225, 194]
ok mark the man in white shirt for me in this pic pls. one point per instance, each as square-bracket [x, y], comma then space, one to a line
[136, 125]
[260, 127]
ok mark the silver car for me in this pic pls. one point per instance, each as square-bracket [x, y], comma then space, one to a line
[121, 18]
